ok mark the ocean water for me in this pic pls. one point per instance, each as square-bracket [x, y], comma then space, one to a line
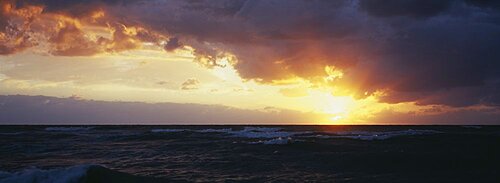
[249, 154]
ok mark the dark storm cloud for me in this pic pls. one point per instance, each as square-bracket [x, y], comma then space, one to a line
[172, 44]
[484, 3]
[429, 52]
[448, 59]
[412, 8]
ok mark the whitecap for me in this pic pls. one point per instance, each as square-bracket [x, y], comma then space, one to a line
[275, 141]
[278, 140]
[264, 132]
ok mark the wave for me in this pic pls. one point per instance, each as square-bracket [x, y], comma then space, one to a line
[247, 132]
[210, 130]
[262, 129]
[263, 132]
[472, 126]
[68, 129]
[11, 133]
[63, 175]
[73, 174]
[275, 141]
[168, 130]
[254, 134]
[278, 135]
[365, 135]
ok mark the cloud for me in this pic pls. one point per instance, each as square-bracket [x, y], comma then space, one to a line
[75, 110]
[190, 84]
[52, 110]
[162, 82]
[410, 8]
[66, 29]
[172, 44]
[294, 92]
[418, 51]
[463, 116]
[14, 25]
[488, 4]
[70, 40]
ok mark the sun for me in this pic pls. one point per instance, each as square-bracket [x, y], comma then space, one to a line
[339, 108]
[336, 118]
[338, 104]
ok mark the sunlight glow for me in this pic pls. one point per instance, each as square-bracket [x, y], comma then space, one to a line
[333, 73]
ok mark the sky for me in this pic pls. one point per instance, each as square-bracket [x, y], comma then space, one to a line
[250, 61]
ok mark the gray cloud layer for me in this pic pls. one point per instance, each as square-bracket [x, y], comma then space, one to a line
[18, 109]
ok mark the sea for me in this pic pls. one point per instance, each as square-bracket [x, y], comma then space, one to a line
[239, 153]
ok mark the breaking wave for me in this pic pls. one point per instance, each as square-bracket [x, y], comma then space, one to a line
[261, 132]
[275, 141]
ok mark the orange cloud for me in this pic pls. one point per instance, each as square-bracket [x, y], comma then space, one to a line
[14, 27]
[294, 92]
[67, 34]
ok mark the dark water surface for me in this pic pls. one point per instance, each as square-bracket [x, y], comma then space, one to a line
[249, 154]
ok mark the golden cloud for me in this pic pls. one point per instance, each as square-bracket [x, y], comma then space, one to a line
[66, 35]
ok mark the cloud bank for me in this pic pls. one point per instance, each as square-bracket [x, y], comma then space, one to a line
[20, 109]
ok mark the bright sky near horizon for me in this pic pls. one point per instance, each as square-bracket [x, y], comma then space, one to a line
[346, 62]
